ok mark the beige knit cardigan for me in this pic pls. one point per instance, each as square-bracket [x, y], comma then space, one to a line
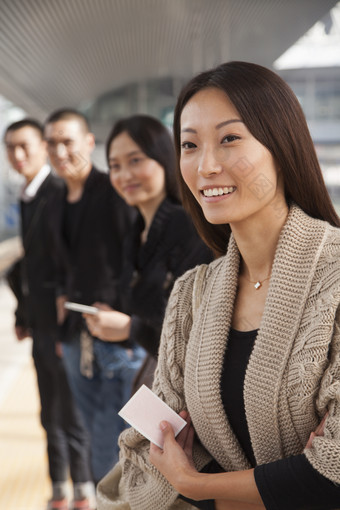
[293, 375]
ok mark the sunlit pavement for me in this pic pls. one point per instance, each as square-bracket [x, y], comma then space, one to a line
[23, 461]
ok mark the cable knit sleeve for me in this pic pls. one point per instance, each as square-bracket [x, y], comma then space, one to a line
[325, 452]
[144, 486]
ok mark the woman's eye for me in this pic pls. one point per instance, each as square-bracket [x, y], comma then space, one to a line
[113, 167]
[135, 161]
[188, 145]
[230, 138]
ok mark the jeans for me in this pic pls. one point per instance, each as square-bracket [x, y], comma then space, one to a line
[101, 397]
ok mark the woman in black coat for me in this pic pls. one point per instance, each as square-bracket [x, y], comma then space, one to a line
[163, 242]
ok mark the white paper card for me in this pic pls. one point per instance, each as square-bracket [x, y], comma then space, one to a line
[77, 307]
[144, 411]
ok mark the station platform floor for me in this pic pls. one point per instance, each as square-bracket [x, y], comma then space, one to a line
[24, 482]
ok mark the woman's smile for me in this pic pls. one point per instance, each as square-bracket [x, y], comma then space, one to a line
[217, 191]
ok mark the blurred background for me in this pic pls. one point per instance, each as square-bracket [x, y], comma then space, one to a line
[112, 58]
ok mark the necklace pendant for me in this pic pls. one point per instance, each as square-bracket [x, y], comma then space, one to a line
[258, 285]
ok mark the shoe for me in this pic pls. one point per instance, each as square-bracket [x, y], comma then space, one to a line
[81, 504]
[57, 504]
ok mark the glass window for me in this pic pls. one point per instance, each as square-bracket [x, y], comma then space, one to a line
[327, 99]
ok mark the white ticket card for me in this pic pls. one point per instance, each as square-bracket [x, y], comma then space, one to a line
[144, 412]
[77, 307]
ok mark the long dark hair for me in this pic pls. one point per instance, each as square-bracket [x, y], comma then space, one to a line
[273, 115]
[155, 141]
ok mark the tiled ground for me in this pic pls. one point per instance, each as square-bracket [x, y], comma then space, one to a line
[23, 463]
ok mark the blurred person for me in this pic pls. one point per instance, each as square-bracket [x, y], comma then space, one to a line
[94, 223]
[161, 245]
[33, 280]
[250, 347]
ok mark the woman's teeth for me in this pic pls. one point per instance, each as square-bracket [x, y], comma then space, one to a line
[214, 192]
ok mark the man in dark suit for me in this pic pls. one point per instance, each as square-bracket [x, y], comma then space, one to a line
[94, 223]
[33, 280]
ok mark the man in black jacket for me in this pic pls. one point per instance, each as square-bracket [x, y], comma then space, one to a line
[33, 279]
[94, 223]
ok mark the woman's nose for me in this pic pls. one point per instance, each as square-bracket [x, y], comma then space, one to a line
[126, 173]
[209, 163]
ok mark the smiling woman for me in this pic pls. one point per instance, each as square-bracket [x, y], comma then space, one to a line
[140, 180]
[213, 143]
[162, 244]
[250, 347]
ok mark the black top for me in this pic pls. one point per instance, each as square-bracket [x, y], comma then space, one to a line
[240, 345]
[150, 269]
[72, 213]
[90, 237]
[291, 483]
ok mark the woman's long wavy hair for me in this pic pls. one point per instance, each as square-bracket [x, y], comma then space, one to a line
[273, 115]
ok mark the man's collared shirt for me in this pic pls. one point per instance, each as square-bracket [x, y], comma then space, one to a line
[30, 191]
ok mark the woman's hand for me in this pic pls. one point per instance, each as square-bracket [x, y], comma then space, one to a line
[61, 310]
[108, 324]
[176, 465]
[174, 461]
[103, 306]
[317, 432]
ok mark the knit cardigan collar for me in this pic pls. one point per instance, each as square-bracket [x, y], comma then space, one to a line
[295, 260]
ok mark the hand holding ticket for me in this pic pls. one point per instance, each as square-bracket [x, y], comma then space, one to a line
[144, 411]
